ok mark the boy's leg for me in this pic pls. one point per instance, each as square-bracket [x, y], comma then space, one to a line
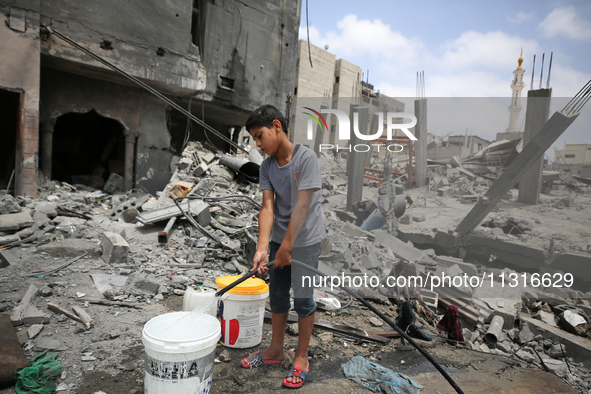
[280, 305]
[304, 303]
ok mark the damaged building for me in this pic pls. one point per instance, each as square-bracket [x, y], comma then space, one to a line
[71, 117]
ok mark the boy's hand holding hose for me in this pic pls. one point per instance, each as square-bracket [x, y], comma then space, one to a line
[259, 262]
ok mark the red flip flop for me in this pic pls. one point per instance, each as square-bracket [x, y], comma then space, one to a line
[296, 371]
[255, 360]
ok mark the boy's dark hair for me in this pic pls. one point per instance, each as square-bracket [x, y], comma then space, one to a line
[264, 117]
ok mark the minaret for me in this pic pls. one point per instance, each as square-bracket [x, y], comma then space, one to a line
[516, 88]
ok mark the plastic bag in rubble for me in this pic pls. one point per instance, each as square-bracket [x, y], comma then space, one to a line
[40, 376]
[379, 379]
[66, 226]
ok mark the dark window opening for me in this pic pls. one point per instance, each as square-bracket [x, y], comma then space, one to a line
[9, 114]
[567, 156]
[87, 148]
[226, 82]
[197, 24]
[337, 79]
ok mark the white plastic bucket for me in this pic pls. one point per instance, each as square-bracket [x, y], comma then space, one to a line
[201, 299]
[179, 353]
[242, 310]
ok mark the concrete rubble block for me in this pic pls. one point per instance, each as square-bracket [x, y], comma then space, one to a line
[370, 261]
[16, 221]
[405, 219]
[573, 322]
[70, 247]
[13, 356]
[525, 335]
[8, 257]
[25, 312]
[527, 354]
[575, 263]
[568, 201]
[47, 208]
[9, 204]
[354, 231]
[445, 191]
[577, 347]
[448, 261]
[418, 218]
[206, 157]
[8, 239]
[547, 317]
[148, 285]
[514, 253]
[115, 248]
[555, 351]
[558, 367]
[34, 330]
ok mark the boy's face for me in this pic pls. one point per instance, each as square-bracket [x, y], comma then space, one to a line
[267, 139]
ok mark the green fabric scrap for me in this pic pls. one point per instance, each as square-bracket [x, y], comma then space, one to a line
[40, 376]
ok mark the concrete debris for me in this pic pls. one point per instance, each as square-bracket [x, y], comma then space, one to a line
[128, 275]
[115, 248]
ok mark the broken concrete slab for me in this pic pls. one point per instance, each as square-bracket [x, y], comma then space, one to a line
[16, 221]
[398, 247]
[70, 247]
[13, 357]
[8, 239]
[115, 248]
[25, 312]
[46, 208]
[34, 330]
[576, 263]
[514, 253]
[579, 348]
[9, 204]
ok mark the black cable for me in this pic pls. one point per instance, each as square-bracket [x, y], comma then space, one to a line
[391, 323]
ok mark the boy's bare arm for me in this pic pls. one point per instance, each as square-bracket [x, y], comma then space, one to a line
[298, 217]
[265, 225]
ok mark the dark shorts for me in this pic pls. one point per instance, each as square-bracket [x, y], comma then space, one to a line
[282, 279]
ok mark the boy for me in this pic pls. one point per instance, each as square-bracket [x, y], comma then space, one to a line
[290, 226]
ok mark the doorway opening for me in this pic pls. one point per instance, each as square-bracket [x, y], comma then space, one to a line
[87, 149]
[9, 115]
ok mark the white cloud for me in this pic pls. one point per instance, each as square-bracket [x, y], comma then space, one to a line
[566, 22]
[520, 17]
[491, 50]
[366, 38]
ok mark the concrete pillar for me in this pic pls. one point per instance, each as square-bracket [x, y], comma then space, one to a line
[130, 140]
[356, 160]
[420, 146]
[47, 130]
[538, 108]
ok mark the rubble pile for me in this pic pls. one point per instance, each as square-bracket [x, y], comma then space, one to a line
[83, 270]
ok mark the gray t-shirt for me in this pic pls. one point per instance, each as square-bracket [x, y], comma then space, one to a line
[301, 173]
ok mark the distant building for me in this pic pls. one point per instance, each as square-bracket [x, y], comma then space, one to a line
[458, 145]
[331, 83]
[574, 159]
[574, 154]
